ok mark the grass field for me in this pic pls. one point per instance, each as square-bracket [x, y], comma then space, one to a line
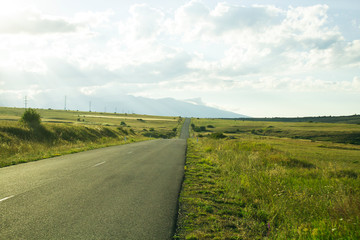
[253, 185]
[64, 132]
[333, 132]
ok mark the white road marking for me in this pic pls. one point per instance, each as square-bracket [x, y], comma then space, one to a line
[7, 198]
[98, 164]
[129, 152]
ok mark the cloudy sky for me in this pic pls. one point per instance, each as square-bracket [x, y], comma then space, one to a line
[258, 58]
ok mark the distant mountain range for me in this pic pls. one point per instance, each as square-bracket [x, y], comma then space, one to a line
[173, 107]
[120, 103]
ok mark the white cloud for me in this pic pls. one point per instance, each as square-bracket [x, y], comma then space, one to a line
[93, 19]
[30, 92]
[30, 38]
[261, 39]
[255, 39]
[308, 84]
[144, 23]
[193, 50]
[89, 90]
[356, 83]
[31, 21]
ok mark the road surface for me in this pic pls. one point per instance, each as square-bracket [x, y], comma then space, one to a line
[184, 134]
[121, 192]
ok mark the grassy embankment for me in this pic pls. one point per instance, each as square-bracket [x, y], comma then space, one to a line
[63, 132]
[253, 186]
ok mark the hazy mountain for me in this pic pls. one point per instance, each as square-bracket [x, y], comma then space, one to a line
[173, 107]
[120, 103]
[161, 107]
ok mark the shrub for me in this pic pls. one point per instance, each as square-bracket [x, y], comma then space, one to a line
[199, 129]
[31, 118]
[217, 135]
[157, 134]
[344, 173]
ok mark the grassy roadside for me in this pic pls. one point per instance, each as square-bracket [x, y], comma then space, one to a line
[64, 132]
[19, 144]
[259, 187]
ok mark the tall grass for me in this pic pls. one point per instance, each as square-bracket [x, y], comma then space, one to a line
[19, 144]
[58, 132]
[262, 188]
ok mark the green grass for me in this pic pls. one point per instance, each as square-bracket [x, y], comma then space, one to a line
[267, 187]
[64, 132]
[333, 132]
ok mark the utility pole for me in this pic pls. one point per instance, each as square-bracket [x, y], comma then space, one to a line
[25, 101]
[90, 106]
[65, 104]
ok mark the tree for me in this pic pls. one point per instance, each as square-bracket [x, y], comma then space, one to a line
[31, 118]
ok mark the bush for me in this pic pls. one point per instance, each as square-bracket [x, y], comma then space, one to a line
[157, 134]
[200, 129]
[31, 118]
[217, 135]
[197, 129]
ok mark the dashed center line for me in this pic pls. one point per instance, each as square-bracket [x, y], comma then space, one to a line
[98, 164]
[7, 198]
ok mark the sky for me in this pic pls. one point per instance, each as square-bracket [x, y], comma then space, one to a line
[258, 58]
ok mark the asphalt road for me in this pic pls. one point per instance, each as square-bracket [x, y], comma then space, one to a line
[185, 129]
[121, 192]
